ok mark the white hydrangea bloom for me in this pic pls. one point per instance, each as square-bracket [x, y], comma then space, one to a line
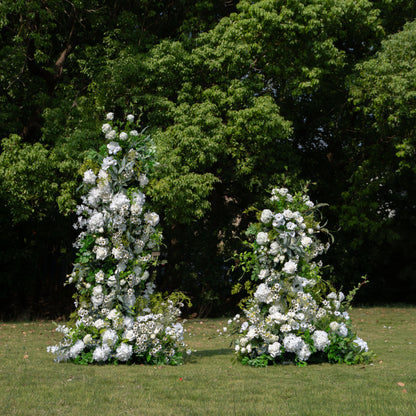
[89, 177]
[96, 222]
[101, 353]
[77, 348]
[304, 352]
[108, 161]
[113, 148]
[106, 128]
[274, 349]
[109, 337]
[266, 216]
[262, 238]
[263, 293]
[306, 241]
[320, 340]
[334, 326]
[292, 343]
[99, 324]
[151, 218]
[290, 267]
[124, 352]
[111, 135]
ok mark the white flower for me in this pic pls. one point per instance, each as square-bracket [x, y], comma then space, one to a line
[278, 220]
[99, 276]
[320, 340]
[292, 343]
[288, 214]
[110, 116]
[96, 222]
[123, 136]
[151, 218]
[343, 330]
[87, 339]
[361, 343]
[290, 267]
[274, 248]
[263, 293]
[114, 315]
[101, 253]
[77, 348]
[266, 216]
[106, 128]
[143, 180]
[134, 133]
[304, 352]
[98, 290]
[244, 326]
[108, 161]
[120, 202]
[99, 323]
[290, 226]
[138, 198]
[111, 281]
[89, 177]
[109, 337]
[113, 148]
[334, 326]
[306, 241]
[111, 135]
[130, 118]
[129, 335]
[263, 274]
[252, 332]
[274, 349]
[262, 238]
[101, 353]
[124, 352]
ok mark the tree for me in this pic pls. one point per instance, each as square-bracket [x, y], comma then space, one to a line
[255, 101]
[378, 213]
[51, 52]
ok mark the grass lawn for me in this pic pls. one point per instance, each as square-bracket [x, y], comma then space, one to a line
[209, 383]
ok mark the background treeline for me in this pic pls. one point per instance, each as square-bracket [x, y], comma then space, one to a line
[238, 96]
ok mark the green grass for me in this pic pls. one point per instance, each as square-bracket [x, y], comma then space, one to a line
[209, 383]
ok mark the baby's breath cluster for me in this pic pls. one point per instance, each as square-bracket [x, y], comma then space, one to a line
[289, 317]
[119, 317]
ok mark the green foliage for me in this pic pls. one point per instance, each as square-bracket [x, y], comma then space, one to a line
[27, 179]
[237, 95]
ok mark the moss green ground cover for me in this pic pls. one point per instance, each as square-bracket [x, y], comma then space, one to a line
[209, 383]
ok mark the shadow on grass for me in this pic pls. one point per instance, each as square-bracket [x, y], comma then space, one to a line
[209, 353]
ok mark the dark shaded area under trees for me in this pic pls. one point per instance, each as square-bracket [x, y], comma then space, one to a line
[239, 97]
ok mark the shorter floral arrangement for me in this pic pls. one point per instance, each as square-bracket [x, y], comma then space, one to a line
[119, 317]
[289, 315]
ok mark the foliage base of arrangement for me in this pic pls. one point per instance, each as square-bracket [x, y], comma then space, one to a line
[292, 314]
[119, 316]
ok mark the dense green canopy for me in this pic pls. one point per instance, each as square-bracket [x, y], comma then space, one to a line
[239, 97]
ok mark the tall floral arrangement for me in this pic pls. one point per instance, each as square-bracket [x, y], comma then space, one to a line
[292, 315]
[119, 317]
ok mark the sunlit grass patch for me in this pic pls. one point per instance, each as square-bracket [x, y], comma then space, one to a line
[209, 383]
